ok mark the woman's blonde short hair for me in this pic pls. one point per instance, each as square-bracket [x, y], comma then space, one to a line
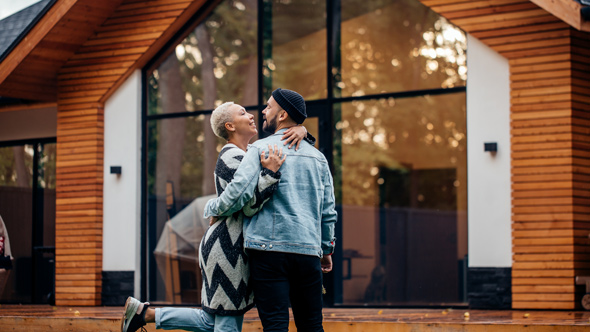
[220, 116]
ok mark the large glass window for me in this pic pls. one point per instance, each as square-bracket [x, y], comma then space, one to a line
[216, 61]
[181, 161]
[402, 188]
[27, 211]
[393, 46]
[295, 47]
[385, 85]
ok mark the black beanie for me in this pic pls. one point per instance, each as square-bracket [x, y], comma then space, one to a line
[292, 102]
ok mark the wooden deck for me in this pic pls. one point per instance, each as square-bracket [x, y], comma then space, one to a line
[80, 319]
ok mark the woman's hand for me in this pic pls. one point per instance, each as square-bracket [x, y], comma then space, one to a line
[294, 135]
[273, 161]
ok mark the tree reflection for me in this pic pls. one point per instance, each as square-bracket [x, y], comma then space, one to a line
[386, 46]
[224, 47]
[295, 47]
[445, 49]
[412, 133]
[16, 165]
[215, 63]
[390, 46]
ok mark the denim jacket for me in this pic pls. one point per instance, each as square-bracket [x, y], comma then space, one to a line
[300, 216]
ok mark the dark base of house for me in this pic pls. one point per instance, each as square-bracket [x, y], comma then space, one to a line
[117, 286]
[489, 288]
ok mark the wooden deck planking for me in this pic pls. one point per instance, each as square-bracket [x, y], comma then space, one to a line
[82, 319]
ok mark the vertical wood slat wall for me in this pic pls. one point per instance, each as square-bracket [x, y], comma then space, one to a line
[550, 145]
[550, 176]
[123, 43]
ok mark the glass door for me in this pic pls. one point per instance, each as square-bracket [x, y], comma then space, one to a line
[27, 211]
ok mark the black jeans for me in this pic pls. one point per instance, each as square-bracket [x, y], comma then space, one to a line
[278, 277]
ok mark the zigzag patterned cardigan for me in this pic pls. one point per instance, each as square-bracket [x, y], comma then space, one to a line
[224, 265]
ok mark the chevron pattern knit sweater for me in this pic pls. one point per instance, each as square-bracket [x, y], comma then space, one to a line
[224, 265]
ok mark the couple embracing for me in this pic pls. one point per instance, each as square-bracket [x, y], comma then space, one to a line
[272, 232]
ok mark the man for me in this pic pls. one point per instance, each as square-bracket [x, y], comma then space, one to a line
[289, 241]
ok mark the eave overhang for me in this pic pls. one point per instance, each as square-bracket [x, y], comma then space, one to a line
[29, 71]
[569, 11]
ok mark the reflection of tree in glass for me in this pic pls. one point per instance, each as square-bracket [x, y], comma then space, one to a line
[171, 131]
[47, 165]
[445, 50]
[295, 47]
[387, 48]
[228, 37]
[16, 166]
[418, 133]
[218, 64]
[153, 107]
[213, 64]
[7, 167]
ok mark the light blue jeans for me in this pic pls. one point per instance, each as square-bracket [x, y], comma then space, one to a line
[196, 320]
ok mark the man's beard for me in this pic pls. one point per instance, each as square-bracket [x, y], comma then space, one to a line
[270, 126]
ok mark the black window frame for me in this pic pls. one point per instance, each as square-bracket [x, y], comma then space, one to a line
[333, 29]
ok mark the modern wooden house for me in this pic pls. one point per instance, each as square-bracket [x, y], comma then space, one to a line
[401, 95]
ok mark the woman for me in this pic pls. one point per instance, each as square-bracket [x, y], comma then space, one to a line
[226, 295]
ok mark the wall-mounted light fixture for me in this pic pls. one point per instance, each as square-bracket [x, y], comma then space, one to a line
[490, 147]
[116, 170]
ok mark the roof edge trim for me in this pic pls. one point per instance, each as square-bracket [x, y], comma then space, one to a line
[27, 29]
[37, 32]
[568, 11]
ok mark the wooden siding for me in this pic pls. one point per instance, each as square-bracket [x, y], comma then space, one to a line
[130, 37]
[550, 150]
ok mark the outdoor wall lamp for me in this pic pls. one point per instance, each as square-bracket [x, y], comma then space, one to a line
[490, 147]
[116, 170]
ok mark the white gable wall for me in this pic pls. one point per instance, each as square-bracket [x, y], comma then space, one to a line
[488, 175]
[122, 193]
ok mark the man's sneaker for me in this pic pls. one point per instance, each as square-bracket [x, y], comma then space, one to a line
[134, 315]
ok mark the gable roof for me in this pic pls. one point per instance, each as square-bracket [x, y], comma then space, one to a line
[81, 41]
[17, 25]
[29, 69]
